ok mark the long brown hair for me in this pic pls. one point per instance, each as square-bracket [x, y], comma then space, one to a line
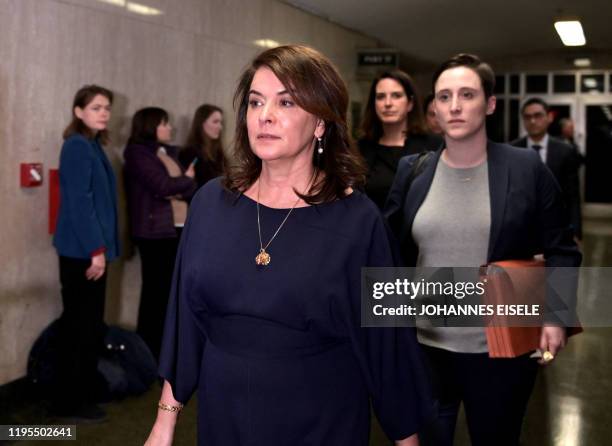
[210, 149]
[371, 127]
[82, 98]
[316, 86]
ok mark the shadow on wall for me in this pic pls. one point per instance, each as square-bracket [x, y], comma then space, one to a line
[116, 298]
[123, 285]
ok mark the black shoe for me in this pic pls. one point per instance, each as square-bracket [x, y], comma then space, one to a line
[81, 414]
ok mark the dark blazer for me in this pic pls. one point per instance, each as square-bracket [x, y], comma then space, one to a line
[148, 186]
[527, 213]
[87, 219]
[563, 161]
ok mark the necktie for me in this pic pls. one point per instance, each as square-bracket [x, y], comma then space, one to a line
[536, 147]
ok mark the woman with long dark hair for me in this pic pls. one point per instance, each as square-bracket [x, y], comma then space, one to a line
[158, 189]
[204, 148]
[265, 315]
[392, 127]
[86, 238]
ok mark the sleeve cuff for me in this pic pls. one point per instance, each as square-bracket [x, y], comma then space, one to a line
[98, 251]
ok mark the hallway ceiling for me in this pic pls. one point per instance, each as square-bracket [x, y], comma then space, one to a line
[431, 30]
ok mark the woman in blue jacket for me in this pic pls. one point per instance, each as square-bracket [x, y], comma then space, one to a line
[86, 238]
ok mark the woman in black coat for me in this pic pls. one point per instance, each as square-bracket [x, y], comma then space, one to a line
[392, 127]
[204, 148]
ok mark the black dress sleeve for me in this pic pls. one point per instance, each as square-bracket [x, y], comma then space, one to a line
[184, 340]
[390, 358]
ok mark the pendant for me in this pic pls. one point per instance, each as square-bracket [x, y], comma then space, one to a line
[263, 258]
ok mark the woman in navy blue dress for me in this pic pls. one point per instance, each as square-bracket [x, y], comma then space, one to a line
[264, 317]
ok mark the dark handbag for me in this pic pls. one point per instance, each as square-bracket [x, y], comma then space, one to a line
[125, 366]
[521, 282]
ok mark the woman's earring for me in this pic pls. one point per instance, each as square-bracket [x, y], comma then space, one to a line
[320, 149]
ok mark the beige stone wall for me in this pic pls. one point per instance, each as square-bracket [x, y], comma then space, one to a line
[190, 54]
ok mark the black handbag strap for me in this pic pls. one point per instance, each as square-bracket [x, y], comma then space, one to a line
[396, 221]
[417, 169]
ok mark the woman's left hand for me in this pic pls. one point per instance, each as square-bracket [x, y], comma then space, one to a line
[552, 340]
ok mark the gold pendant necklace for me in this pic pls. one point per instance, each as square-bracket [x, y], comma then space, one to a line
[263, 258]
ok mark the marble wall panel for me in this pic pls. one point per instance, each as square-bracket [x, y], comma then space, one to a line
[191, 54]
[235, 21]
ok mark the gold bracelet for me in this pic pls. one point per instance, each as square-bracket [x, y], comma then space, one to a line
[168, 408]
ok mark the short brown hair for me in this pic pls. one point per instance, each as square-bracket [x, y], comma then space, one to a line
[482, 69]
[371, 127]
[316, 86]
[82, 98]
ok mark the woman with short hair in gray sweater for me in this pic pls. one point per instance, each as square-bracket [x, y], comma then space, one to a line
[476, 202]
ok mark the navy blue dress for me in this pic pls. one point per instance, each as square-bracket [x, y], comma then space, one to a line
[276, 352]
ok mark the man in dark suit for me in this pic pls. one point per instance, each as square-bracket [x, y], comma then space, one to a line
[561, 158]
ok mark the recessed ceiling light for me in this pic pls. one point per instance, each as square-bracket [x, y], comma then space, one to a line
[142, 9]
[114, 2]
[582, 62]
[571, 32]
[266, 43]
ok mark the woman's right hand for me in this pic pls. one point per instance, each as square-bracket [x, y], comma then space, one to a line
[160, 435]
[97, 268]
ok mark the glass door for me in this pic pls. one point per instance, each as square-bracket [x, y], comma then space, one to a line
[597, 127]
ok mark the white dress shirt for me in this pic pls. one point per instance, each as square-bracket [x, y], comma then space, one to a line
[543, 143]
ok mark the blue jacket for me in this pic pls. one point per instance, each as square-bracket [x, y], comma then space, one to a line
[87, 219]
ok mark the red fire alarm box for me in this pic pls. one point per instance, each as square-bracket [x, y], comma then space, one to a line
[31, 174]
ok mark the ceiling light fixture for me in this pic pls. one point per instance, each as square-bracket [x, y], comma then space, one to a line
[582, 62]
[570, 32]
[266, 43]
[142, 9]
[114, 2]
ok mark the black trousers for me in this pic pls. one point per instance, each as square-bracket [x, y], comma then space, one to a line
[81, 331]
[157, 258]
[494, 393]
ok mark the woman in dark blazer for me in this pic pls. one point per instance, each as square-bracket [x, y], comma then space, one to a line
[392, 127]
[157, 190]
[476, 202]
[86, 237]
